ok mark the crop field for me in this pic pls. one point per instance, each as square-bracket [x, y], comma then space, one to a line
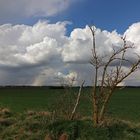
[125, 103]
[26, 113]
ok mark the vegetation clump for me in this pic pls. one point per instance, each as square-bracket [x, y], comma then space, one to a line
[39, 125]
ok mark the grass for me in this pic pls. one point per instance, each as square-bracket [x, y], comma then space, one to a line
[26, 113]
[84, 130]
[125, 103]
[29, 125]
[36, 125]
[21, 99]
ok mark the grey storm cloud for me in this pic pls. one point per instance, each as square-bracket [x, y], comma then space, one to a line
[14, 9]
[37, 54]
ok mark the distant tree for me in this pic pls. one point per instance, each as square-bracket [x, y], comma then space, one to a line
[108, 73]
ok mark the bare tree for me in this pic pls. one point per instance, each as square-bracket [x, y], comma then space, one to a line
[111, 70]
[70, 99]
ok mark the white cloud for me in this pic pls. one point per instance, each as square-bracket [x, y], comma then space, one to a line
[69, 79]
[133, 35]
[35, 54]
[30, 44]
[80, 44]
[13, 9]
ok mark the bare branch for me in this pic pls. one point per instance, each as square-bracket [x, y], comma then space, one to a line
[77, 101]
[111, 75]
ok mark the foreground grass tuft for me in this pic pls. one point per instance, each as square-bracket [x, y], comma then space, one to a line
[33, 125]
[84, 130]
[29, 125]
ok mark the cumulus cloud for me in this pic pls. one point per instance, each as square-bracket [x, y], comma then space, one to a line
[69, 79]
[30, 48]
[80, 44]
[35, 55]
[133, 35]
[25, 45]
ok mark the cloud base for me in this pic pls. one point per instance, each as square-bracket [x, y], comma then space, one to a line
[35, 55]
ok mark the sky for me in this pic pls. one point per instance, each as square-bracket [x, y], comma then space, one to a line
[43, 40]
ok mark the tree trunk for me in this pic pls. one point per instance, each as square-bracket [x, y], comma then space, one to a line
[95, 112]
[104, 107]
[102, 112]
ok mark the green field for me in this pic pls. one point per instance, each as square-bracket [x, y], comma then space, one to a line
[25, 114]
[125, 103]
